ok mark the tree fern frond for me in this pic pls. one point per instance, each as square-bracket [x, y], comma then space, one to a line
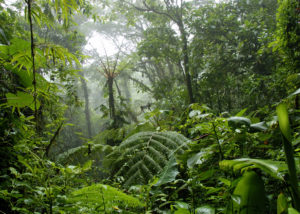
[151, 163]
[79, 155]
[160, 157]
[145, 154]
[98, 195]
[136, 166]
[134, 178]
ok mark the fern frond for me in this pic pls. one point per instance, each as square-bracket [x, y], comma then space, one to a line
[79, 155]
[98, 195]
[144, 155]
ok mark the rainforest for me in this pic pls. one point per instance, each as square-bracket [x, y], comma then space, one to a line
[150, 106]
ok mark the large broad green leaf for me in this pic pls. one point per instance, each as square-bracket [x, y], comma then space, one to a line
[26, 79]
[238, 122]
[276, 169]
[295, 93]
[293, 211]
[21, 100]
[251, 193]
[282, 205]
[181, 208]
[200, 157]
[284, 124]
[169, 173]
[205, 210]
[258, 127]
[283, 119]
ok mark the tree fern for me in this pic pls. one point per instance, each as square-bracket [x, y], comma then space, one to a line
[100, 198]
[144, 155]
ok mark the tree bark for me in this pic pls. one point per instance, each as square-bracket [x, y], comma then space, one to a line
[29, 5]
[86, 110]
[186, 62]
[111, 102]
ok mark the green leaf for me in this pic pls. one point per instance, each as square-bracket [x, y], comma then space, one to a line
[14, 171]
[87, 165]
[251, 191]
[295, 93]
[169, 173]
[258, 127]
[225, 181]
[293, 211]
[182, 211]
[283, 119]
[282, 205]
[205, 210]
[195, 159]
[182, 205]
[241, 113]
[200, 157]
[21, 100]
[92, 196]
[144, 155]
[276, 169]
[238, 122]
[206, 174]
[182, 208]
[2, 33]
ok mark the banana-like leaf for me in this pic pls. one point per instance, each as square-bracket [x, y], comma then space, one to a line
[282, 205]
[238, 122]
[283, 119]
[292, 211]
[251, 193]
[284, 125]
[276, 169]
[258, 127]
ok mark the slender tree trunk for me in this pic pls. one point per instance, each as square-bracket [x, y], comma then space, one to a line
[87, 109]
[29, 5]
[111, 102]
[186, 63]
[125, 87]
[209, 99]
[228, 92]
[219, 101]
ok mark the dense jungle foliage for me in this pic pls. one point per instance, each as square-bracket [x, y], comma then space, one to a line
[150, 106]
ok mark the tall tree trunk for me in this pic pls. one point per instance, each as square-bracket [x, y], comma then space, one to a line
[29, 6]
[186, 62]
[111, 102]
[86, 110]
[219, 101]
